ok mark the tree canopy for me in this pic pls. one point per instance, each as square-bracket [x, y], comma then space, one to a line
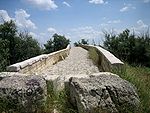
[129, 47]
[57, 42]
[82, 41]
[15, 46]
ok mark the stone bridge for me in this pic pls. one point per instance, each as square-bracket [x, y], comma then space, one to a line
[72, 68]
[77, 62]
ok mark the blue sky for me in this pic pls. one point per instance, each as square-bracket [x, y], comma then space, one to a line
[76, 19]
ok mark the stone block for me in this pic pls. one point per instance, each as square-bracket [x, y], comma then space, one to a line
[24, 94]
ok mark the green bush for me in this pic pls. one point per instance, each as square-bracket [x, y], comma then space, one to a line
[15, 48]
[140, 77]
[129, 47]
[56, 43]
[82, 41]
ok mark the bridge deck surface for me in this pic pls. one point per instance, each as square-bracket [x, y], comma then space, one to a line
[76, 63]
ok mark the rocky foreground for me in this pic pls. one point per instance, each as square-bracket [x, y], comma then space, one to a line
[102, 92]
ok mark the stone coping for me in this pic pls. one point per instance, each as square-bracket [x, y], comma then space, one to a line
[29, 62]
[108, 55]
[108, 60]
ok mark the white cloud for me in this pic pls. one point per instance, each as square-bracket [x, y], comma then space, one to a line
[104, 25]
[41, 37]
[67, 4]
[51, 30]
[127, 7]
[97, 1]
[86, 32]
[141, 24]
[33, 34]
[114, 22]
[140, 27]
[124, 9]
[146, 1]
[22, 21]
[108, 24]
[43, 4]
[4, 15]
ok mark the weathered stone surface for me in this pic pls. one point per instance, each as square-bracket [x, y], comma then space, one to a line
[107, 60]
[9, 74]
[35, 64]
[25, 94]
[103, 93]
[77, 64]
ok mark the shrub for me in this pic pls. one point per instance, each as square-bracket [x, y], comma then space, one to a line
[58, 42]
[82, 41]
[15, 48]
[129, 47]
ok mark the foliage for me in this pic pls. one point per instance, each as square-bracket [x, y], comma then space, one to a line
[56, 43]
[95, 57]
[82, 41]
[4, 54]
[140, 77]
[26, 47]
[8, 33]
[129, 47]
[58, 101]
[15, 48]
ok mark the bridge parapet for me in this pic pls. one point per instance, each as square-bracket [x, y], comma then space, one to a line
[107, 60]
[38, 63]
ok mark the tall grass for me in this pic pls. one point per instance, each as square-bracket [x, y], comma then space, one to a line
[139, 76]
[58, 101]
[95, 57]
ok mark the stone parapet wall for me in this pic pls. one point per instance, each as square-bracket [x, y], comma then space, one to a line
[108, 61]
[38, 63]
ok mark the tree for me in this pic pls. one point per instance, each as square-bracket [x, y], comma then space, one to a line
[4, 54]
[82, 41]
[15, 48]
[49, 46]
[8, 32]
[57, 42]
[129, 47]
[26, 47]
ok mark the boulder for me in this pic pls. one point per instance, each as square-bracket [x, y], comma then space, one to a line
[60, 82]
[23, 94]
[103, 93]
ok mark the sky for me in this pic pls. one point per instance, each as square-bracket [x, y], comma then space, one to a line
[76, 19]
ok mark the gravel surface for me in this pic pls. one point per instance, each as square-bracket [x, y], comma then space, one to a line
[76, 63]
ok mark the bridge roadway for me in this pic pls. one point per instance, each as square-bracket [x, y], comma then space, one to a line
[76, 63]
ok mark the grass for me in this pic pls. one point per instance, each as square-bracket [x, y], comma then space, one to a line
[95, 57]
[55, 100]
[58, 101]
[139, 76]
